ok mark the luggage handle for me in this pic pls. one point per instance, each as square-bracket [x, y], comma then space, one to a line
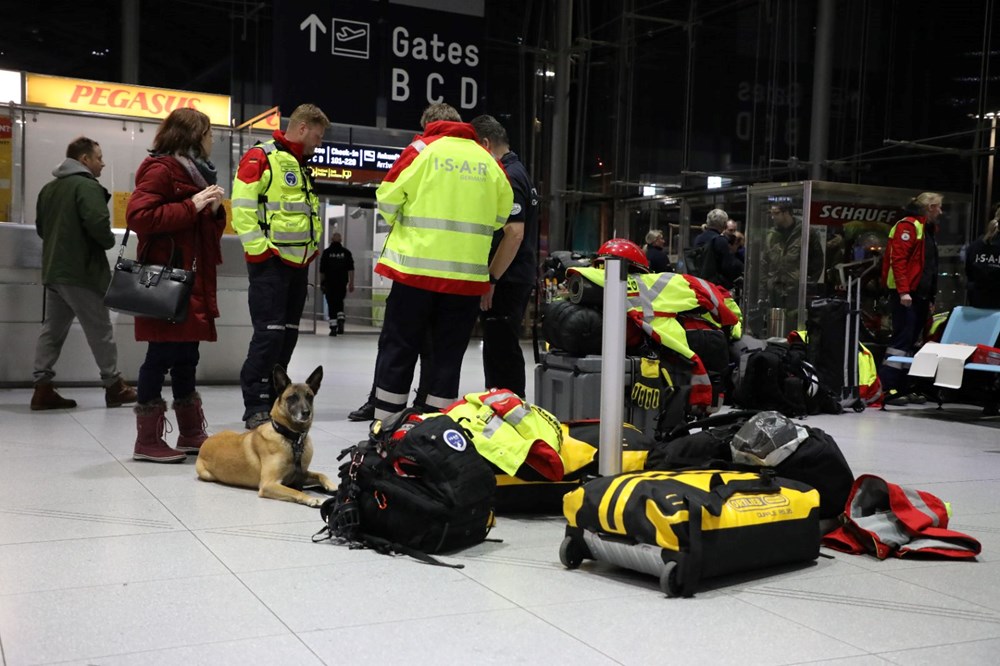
[715, 420]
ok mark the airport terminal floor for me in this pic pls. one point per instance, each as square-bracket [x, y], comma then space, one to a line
[104, 560]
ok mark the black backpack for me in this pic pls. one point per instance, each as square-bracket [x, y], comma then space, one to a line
[780, 378]
[818, 461]
[417, 486]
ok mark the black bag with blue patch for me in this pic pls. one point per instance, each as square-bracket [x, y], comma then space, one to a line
[417, 486]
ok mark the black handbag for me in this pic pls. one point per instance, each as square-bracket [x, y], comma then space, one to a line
[150, 290]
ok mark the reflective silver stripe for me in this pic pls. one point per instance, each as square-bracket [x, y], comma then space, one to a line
[498, 397]
[492, 426]
[388, 396]
[700, 379]
[268, 147]
[388, 207]
[419, 145]
[437, 401]
[244, 203]
[435, 264]
[250, 236]
[275, 327]
[885, 527]
[447, 225]
[516, 415]
[290, 235]
[920, 505]
[501, 219]
[294, 327]
[938, 544]
[289, 207]
[711, 295]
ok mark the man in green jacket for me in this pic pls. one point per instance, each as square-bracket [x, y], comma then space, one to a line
[75, 227]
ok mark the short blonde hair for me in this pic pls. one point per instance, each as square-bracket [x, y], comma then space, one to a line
[439, 111]
[310, 114]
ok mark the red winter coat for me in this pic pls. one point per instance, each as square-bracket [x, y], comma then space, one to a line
[160, 208]
[904, 255]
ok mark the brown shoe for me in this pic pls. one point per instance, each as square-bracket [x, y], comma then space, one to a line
[46, 397]
[190, 423]
[119, 394]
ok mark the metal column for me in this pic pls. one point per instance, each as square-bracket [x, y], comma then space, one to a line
[609, 459]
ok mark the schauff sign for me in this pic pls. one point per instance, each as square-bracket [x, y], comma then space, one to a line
[355, 57]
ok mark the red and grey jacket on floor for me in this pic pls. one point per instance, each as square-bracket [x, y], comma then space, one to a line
[903, 263]
[884, 519]
[655, 301]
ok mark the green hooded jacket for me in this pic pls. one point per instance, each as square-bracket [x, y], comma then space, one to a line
[73, 221]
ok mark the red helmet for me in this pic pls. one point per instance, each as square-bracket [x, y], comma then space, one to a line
[624, 249]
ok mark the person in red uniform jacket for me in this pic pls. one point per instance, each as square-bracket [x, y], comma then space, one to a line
[176, 206]
[909, 270]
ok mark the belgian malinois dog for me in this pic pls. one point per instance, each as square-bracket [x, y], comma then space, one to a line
[274, 457]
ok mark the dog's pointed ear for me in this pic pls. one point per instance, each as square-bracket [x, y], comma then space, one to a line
[281, 380]
[314, 379]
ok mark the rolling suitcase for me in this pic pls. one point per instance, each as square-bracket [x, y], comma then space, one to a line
[833, 327]
[688, 525]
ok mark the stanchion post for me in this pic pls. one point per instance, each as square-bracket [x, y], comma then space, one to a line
[609, 460]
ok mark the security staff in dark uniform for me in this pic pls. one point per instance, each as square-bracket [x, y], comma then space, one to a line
[336, 269]
[504, 305]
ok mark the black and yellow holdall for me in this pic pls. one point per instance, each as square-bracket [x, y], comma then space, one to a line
[687, 525]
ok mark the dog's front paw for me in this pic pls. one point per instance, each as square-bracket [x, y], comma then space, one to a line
[314, 502]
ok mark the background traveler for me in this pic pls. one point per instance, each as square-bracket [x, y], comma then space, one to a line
[443, 199]
[176, 211]
[719, 262]
[75, 227]
[276, 214]
[780, 261]
[336, 269]
[514, 273]
[659, 260]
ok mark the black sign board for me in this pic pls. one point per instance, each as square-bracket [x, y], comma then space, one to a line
[345, 55]
[352, 162]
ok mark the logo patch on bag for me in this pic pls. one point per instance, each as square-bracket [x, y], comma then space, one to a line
[905, 236]
[455, 440]
[291, 178]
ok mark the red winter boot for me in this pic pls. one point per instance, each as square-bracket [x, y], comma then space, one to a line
[150, 422]
[191, 423]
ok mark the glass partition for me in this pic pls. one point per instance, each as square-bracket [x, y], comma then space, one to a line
[805, 240]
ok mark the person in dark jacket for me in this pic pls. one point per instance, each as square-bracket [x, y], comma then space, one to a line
[75, 227]
[504, 305]
[982, 267]
[336, 269]
[659, 260]
[719, 262]
[177, 206]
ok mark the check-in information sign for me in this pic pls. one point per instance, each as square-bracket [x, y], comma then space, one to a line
[354, 58]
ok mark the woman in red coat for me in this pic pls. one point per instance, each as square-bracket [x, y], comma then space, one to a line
[176, 206]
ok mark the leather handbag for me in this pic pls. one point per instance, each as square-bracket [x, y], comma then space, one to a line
[141, 289]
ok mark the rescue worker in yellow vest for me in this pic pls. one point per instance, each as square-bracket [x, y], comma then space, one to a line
[443, 199]
[276, 215]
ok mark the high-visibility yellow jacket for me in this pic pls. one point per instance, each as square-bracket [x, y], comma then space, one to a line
[655, 300]
[505, 430]
[444, 197]
[275, 208]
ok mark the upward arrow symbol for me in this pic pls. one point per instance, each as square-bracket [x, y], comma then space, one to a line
[313, 23]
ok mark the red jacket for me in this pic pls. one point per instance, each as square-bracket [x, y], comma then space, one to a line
[904, 253]
[160, 209]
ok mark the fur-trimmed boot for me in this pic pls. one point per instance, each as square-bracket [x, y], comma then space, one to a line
[150, 422]
[191, 423]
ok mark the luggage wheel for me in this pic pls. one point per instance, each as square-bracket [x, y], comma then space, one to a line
[669, 584]
[571, 553]
[859, 406]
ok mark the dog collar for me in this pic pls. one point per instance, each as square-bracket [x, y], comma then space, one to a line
[296, 439]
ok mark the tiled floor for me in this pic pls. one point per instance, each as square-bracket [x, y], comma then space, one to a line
[108, 561]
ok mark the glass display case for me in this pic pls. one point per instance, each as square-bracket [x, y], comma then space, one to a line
[806, 239]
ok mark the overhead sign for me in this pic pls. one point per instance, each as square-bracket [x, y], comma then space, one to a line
[121, 99]
[352, 163]
[357, 58]
[838, 212]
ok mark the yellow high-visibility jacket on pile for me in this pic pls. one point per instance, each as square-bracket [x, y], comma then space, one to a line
[654, 302]
[510, 432]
